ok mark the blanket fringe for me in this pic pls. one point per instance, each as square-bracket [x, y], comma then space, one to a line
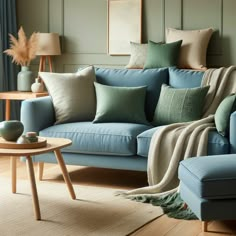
[171, 204]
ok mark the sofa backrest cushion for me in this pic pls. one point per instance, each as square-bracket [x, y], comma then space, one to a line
[181, 78]
[152, 78]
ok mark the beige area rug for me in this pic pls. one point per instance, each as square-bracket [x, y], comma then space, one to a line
[95, 212]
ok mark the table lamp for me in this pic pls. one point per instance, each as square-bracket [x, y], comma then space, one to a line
[48, 45]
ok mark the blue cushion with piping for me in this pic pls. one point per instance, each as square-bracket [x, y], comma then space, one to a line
[100, 138]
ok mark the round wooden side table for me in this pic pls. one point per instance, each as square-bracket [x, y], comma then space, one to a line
[52, 144]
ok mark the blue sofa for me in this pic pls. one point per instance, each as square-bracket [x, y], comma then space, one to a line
[116, 145]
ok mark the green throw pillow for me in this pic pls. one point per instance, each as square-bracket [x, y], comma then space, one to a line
[223, 112]
[120, 104]
[162, 55]
[179, 105]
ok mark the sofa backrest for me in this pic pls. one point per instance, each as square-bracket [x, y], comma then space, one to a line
[152, 78]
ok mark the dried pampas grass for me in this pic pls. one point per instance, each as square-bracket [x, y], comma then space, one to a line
[22, 51]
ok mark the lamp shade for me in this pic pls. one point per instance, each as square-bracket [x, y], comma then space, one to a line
[48, 44]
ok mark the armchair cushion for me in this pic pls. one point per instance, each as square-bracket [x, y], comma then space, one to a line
[210, 177]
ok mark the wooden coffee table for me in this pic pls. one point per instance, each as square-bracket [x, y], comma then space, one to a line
[53, 144]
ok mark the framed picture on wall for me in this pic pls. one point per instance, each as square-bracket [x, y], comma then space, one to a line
[124, 25]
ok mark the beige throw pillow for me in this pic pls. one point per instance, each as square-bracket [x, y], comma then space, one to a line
[194, 46]
[138, 53]
[73, 94]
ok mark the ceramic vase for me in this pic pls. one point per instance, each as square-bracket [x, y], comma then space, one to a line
[25, 79]
[11, 130]
[37, 86]
[22, 140]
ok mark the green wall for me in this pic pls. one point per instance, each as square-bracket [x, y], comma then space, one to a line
[82, 25]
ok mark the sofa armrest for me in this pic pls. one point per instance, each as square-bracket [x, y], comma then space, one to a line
[232, 133]
[37, 114]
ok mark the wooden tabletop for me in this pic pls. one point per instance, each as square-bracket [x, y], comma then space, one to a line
[18, 95]
[52, 144]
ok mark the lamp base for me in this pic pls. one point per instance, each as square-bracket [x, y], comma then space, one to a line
[42, 63]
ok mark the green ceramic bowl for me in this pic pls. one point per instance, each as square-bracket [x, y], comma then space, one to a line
[11, 130]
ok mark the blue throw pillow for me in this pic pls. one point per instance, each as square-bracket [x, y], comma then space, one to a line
[184, 78]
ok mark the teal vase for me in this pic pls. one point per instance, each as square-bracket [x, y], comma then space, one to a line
[11, 130]
[25, 79]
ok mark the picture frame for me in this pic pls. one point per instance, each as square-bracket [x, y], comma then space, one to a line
[124, 25]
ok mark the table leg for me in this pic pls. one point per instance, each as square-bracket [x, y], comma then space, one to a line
[13, 174]
[204, 226]
[33, 187]
[65, 174]
[8, 109]
[40, 170]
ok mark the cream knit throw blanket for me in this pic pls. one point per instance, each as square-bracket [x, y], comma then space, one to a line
[179, 141]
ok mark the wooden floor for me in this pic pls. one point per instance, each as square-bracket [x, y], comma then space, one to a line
[128, 180]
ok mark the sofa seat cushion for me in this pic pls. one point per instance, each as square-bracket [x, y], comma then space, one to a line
[210, 177]
[217, 144]
[102, 138]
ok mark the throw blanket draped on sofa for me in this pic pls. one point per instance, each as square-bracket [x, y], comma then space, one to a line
[179, 141]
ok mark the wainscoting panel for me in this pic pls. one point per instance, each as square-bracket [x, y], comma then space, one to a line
[73, 68]
[204, 14]
[33, 15]
[56, 16]
[82, 25]
[229, 32]
[77, 60]
[173, 14]
[201, 14]
[85, 26]
[153, 20]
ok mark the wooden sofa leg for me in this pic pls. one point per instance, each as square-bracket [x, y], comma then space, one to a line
[204, 226]
[40, 170]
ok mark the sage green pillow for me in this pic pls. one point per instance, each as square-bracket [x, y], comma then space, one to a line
[120, 104]
[162, 55]
[223, 112]
[179, 105]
